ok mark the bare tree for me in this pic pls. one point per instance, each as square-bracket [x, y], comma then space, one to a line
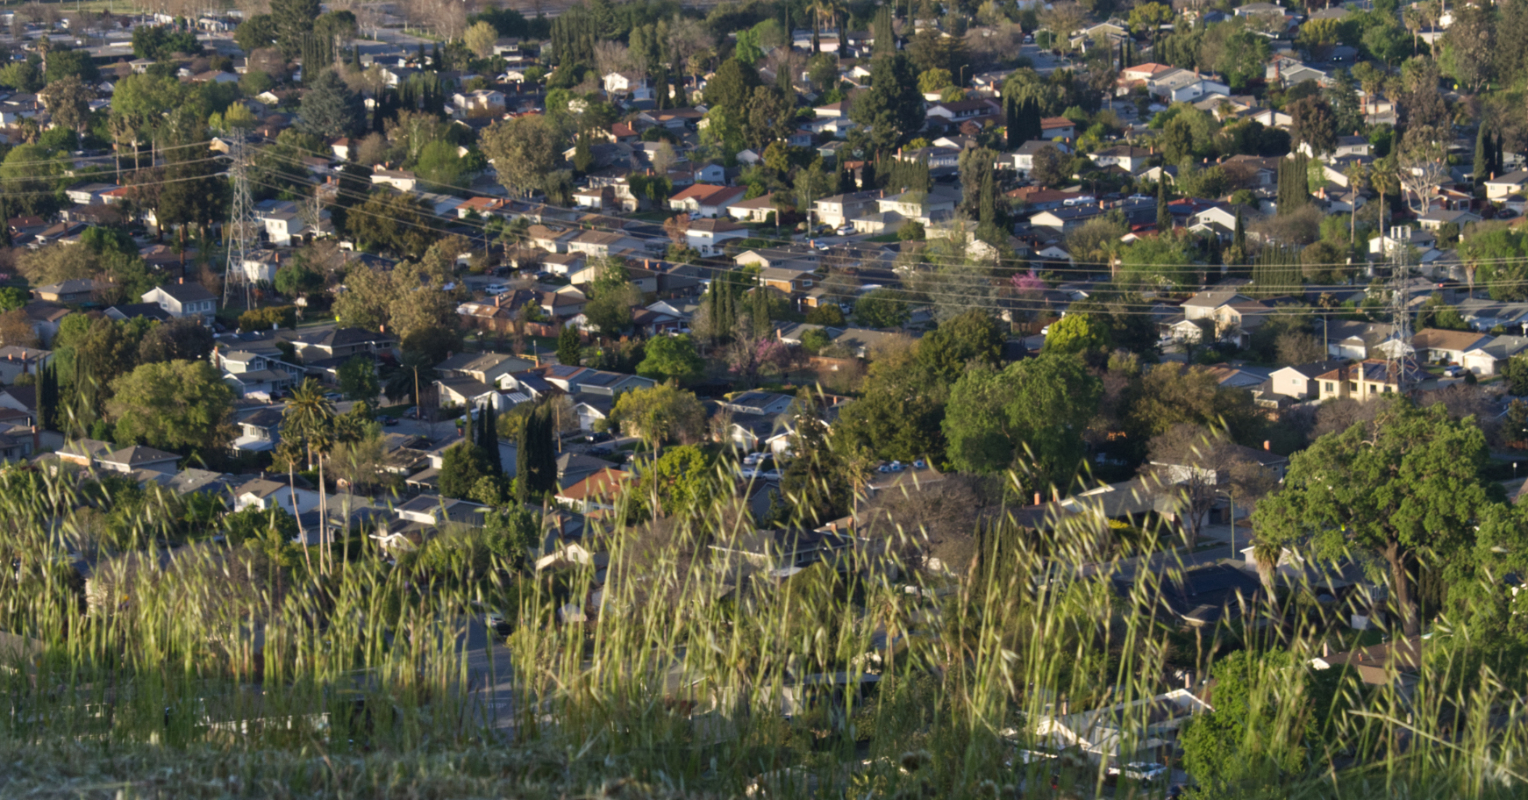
[610, 56]
[1197, 466]
[1422, 164]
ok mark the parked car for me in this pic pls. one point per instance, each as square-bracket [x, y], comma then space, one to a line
[1144, 771]
[600, 451]
[1453, 372]
[496, 623]
[496, 288]
[597, 437]
[845, 230]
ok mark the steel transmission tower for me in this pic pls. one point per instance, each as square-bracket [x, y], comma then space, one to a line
[1400, 313]
[243, 233]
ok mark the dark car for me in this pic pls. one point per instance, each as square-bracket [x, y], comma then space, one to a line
[596, 438]
[600, 451]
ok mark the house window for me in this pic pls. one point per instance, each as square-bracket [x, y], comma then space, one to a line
[1352, 386]
[1331, 387]
[1387, 390]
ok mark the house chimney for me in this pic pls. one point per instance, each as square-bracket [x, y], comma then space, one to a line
[182, 279]
[1037, 498]
[1326, 650]
[1267, 445]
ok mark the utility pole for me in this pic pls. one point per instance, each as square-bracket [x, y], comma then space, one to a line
[243, 233]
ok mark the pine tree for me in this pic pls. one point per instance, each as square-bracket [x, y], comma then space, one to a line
[420, 57]
[1498, 164]
[435, 62]
[1164, 217]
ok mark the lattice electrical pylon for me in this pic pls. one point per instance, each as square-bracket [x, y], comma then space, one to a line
[243, 232]
[1400, 313]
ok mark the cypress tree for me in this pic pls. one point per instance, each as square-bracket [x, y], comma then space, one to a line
[420, 57]
[1498, 163]
[1239, 240]
[1164, 217]
[435, 62]
[489, 439]
[988, 205]
[1483, 153]
[536, 459]
[885, 38]
[760, 312]
[47, 397]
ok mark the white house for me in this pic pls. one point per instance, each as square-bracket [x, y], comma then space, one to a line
[1124, 156]
[283, 220]
[1503, 186]
[629, 83]
[708, 236]
[402, 180]
[1118, 732]
[183, 300]
[267, 494]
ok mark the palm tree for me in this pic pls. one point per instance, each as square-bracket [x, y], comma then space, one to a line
[1411, 16]
[1266, 554]
[1382, 178]
[1356, 174]
[308, 414]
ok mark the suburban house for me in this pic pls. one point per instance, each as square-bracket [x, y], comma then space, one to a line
[464, 392]
[1126, 157]
[1434, 345]
[1436, 218]
[284, 221]
[250, 373]
[183, 300]
[1023, 159]
[486, 368]
[340, 343]
[839, 209]
[71, 292]
[756, 210]
[1485, 359]
[707, 200]
[597, 491]
[131, 459]
[260, 431]
[1366, 379]
[635, 84]
[266, 495]
[16, 361]
[1502, 187]
[708, 236]
[1116, 734]
[1054, 128]
[1299, 382]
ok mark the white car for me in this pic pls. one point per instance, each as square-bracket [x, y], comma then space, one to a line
[497, 288]
[920, 464]
[1453, 372]
[1144, 771]
[846, 230]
